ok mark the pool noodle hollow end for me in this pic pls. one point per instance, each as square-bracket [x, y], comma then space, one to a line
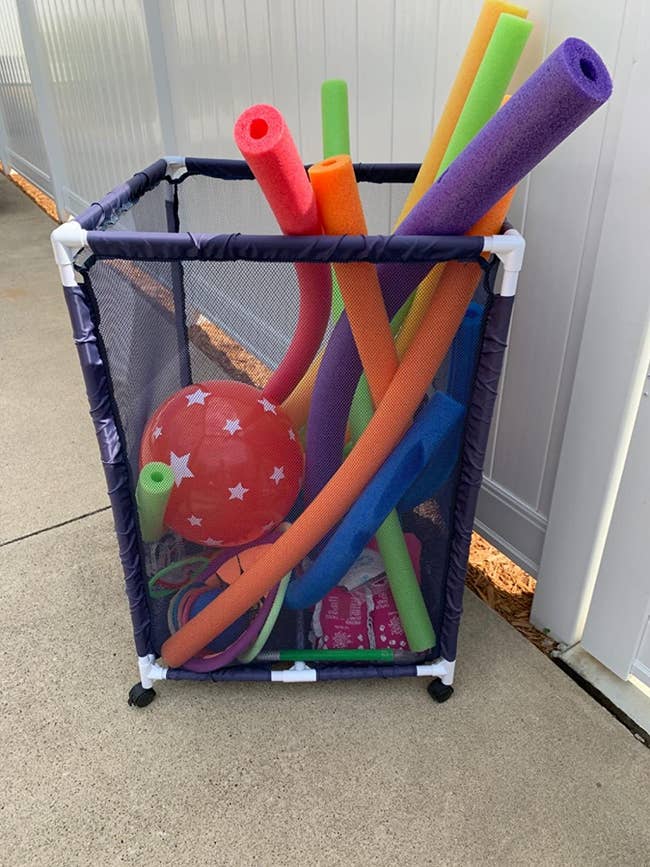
[266, 143]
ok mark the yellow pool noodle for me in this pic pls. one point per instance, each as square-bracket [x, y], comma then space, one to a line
[476, 47]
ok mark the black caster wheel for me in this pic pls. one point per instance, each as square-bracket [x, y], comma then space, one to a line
[140, 697]
[439, 691]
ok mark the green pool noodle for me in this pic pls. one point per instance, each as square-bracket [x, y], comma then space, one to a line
[336, 140]
[491, 83]
[155, 484]
[334, 111]
[362, 407]
[390, 538]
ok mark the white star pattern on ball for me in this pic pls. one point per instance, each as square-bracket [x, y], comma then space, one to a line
[232, 426]
[180, 468]
[237, 493]
[194, 521]
[197, 396]
[267, 405]
[277, 475]
[157, 431]
[211, 541]
[292, 435]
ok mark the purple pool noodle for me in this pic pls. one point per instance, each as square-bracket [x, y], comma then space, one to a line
[563, 92]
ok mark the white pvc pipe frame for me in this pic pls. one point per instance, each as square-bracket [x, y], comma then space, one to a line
[300, 672]
[69, 238]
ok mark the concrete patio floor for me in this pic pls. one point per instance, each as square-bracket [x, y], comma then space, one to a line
[519, 767]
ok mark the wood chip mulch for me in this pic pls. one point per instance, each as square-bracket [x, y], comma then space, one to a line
[495, 579]
[44, 202]
[506, 588]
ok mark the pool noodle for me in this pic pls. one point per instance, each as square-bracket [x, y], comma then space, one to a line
[433, 436]
[566, 89]
[387, 426]
[266, 144]
[476, 47]
[427, 287]
[297, 405]
[487, 94]
[334, 113]
[490, 85]
[152, 492]
[336, 140]
[341, 213]
[332, 399]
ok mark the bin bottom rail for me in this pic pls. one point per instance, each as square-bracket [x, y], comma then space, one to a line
[300, 672]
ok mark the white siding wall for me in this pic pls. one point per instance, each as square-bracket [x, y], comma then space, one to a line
[23, 140]
[102, 85]
[399, 58]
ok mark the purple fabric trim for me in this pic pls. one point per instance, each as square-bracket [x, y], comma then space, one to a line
[178, 288]
[113, 459]
[351, 672]
[168, 246]
[110, 206]
[338, 672]
[239, 170]
[477, 429]
[228, 674]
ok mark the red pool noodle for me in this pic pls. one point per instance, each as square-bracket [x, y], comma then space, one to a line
[266, 144]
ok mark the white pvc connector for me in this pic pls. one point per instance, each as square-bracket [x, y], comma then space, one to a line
[150, 671]
[442, 668]
[67, 240]
[175, 165]
[298, 673]
[510, 250]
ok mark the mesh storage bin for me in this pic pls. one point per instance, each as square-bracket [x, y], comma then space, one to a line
[182, 278]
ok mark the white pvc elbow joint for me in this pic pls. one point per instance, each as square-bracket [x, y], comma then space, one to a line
[510, 249]
[67, 239]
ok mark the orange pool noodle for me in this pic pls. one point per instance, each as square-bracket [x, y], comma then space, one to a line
[474, 52]
[389, 423]
[341, 213]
